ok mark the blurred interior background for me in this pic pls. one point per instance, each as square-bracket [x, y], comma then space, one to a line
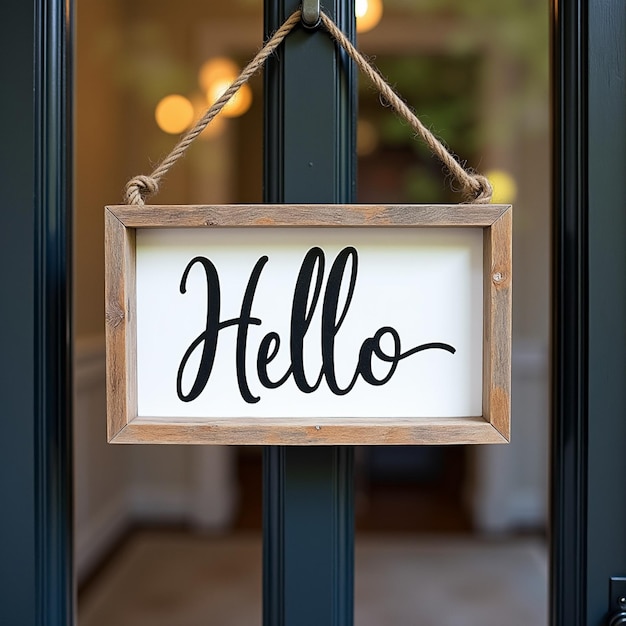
[476, 73]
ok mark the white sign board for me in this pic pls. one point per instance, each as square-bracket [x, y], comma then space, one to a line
[307, 326]
[376, 323]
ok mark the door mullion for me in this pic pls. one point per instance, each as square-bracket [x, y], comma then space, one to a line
[309, 158]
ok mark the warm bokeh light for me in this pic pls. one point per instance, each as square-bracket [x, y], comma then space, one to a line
[237, 105]
[215, 77]
[217, 69]
[368, 14]
[174, 114]
[366, 138]
[504, 187]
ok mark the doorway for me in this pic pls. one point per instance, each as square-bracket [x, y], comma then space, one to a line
[488, 99]
[587, 518]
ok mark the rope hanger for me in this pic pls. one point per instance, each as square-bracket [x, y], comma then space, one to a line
[475, 188]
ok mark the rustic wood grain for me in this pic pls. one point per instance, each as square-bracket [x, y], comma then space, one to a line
[497, 294]
[159, 216]
[124, 424]
[120, 325]
[310, 432]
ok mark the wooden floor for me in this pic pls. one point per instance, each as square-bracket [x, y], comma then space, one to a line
[417, 561]
[173, 578]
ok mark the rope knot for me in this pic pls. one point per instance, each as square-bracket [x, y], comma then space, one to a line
[483, 189]
[139, 188]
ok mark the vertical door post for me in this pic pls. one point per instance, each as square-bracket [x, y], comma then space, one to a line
[36, 575]
[589, 314]
[309, 157]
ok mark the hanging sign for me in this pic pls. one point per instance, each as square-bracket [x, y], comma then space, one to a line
[308, 324]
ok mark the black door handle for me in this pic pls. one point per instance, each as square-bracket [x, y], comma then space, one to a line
[616, 615]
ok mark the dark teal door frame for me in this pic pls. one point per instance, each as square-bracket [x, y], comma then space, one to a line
[35, 314]
[308, 514]
[589, 315]
[308, 520]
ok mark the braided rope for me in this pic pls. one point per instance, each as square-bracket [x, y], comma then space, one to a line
[476, 188]
[138, 188]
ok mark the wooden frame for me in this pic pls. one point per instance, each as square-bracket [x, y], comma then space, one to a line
[126, 426]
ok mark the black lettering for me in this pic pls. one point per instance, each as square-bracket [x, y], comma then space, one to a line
[208, 338]
[301, 317]
[307, 292]
[330, 323]
[210, 334]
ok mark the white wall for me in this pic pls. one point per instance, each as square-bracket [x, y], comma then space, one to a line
[510, 491]
[117, 486]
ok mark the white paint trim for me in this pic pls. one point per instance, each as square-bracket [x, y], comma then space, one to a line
[500, 500]
[207, 500]
[529, 359]
[215, 492]
[98, 530]
[162, 506]
[89, 361]
[528, 509]
[95, 538]
[517, 510]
